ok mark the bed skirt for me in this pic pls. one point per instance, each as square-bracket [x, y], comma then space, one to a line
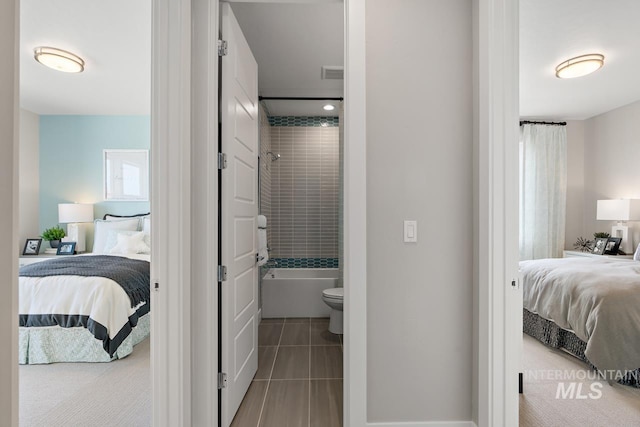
[554, 336]
[53, 344]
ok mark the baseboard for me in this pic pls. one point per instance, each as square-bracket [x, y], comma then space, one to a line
[425, 424]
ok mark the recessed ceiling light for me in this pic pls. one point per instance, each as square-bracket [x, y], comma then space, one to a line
[580, 66]
[58, 59]
[329, 107]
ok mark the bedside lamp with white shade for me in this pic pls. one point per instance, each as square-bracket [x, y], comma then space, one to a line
[74, 215]
[620, 210]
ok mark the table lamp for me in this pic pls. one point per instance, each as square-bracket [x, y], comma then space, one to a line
[620, 210]
[74, 215]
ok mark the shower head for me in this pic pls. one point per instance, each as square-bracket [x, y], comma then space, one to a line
[274, 156]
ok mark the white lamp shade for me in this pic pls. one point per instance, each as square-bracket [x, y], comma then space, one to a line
[618, 210]
[75, 212]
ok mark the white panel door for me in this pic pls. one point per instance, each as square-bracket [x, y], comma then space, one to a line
[239, 139]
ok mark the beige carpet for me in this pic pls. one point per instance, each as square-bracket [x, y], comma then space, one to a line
[618, 405]
[88, 394]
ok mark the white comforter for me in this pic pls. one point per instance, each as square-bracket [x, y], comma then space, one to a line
[598, 299]
[102, 299]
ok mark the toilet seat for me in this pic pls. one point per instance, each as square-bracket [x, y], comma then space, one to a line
[333, 293]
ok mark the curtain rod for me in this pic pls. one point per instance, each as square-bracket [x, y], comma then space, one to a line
[294, 98]
[527, 122]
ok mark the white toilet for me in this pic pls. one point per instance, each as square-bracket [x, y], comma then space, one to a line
[333, 297]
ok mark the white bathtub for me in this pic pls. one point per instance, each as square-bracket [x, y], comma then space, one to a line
[296, 292]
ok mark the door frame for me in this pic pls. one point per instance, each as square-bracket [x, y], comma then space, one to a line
[496, 114]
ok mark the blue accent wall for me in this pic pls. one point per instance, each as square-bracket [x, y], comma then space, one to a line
[71, 152]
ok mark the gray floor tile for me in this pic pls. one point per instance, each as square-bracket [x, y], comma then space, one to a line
[295, 334]
[269, 334]
[297, 320]
[266, 356]
[249, 411]
[320, 335]
[326, 362]
[291, 363]
[319, 320]
[326, 403]
[286, 405]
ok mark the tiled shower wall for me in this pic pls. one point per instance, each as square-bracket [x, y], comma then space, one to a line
[265, 173]
[304, 193]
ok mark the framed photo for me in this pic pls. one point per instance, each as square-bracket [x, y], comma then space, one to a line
[612, 246]
[66, 248]
[32, 247]
[599, 246]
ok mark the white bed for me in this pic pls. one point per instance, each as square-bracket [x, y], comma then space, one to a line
[82, 317]
[597, 299]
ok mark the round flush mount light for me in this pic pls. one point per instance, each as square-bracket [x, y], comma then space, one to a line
[58, 59]
[329, 107]
[580, 66]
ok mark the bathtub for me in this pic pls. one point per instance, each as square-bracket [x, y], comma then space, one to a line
[296, 292]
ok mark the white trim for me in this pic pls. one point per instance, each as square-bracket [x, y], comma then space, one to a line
[171, 206]
[425, 424]
[496, 234]
[355, 217]
[204, 213]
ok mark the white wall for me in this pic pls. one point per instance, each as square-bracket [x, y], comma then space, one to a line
[8, 212]
[611, 163]
[419, 167]
[29, 182]
[574, 227]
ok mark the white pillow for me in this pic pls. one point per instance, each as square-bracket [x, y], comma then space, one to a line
[146, 229]
[102, 229]
[636, 256]
[130, 244]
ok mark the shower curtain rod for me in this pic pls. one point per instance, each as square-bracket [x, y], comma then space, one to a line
[294, 98]
[527, 122]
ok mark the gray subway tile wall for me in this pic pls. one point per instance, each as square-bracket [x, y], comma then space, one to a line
[266, 165]
[301, 193]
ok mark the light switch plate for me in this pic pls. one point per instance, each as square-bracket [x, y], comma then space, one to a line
[411, 231]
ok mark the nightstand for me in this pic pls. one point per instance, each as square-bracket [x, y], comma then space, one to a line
[31, 259]
[569, 254]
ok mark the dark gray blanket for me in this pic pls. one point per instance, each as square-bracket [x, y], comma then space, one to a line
[131, 274]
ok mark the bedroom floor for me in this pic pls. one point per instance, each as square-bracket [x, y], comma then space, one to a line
[88, 394]
[299, 378]
[618, 405]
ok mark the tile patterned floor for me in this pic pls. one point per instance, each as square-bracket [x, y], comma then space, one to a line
[299, 378]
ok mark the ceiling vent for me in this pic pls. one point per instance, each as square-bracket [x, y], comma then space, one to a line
[332, 72]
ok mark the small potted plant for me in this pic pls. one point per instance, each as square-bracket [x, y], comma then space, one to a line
[53, 235]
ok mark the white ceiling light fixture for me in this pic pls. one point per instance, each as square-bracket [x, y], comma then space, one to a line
[580, 66]
[58, 59]
[329, 107]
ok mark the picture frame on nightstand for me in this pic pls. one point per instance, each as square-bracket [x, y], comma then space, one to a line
[66, 248]
[612, 246]
[32, 247]
[599, 246]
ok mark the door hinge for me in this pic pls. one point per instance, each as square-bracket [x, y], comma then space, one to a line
[222, 47]
[222, 273]
[222, 161]
[222, 380]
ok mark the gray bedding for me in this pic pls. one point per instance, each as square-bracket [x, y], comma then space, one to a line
[598, 299]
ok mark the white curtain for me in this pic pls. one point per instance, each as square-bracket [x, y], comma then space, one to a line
[543, 190]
